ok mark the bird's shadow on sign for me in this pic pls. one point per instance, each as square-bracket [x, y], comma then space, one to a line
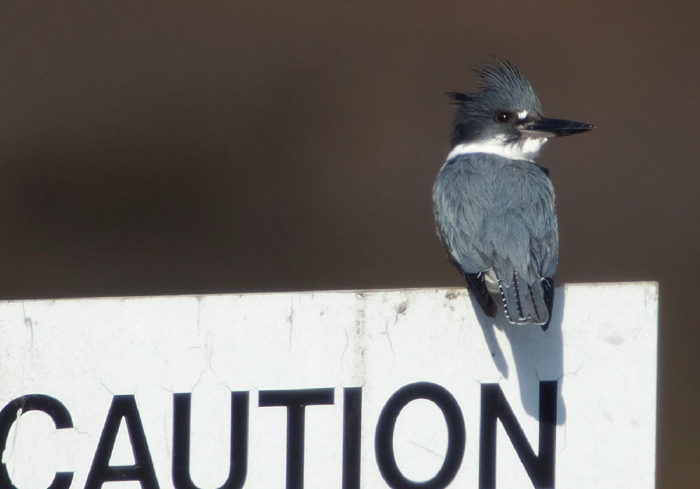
[535, 355]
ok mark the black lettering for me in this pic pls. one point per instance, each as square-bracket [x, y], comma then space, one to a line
[295, 401]
[384, 437]
[33, 402]
[352, 424]
[540, 468]
[142, 470]
[238, 453]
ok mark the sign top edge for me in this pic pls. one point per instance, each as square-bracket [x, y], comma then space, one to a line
[649, 286]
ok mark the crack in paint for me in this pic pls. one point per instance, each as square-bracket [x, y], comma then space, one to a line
[439, 455]
[290, 321]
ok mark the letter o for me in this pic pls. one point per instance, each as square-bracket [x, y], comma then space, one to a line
[384, 436]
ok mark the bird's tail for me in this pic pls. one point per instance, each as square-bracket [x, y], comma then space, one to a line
[526, 303]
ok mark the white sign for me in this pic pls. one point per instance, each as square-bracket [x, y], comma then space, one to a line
[346, 390]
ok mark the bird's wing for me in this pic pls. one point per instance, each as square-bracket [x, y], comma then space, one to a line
[462, 200]
[522, 223]
[459, 214]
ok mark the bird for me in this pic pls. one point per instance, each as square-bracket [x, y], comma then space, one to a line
[494, 206]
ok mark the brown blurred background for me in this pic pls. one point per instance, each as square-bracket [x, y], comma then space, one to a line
[206, 147]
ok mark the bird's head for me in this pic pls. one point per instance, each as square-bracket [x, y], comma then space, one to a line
[505, 116]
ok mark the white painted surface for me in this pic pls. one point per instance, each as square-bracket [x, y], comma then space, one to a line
[601, 347]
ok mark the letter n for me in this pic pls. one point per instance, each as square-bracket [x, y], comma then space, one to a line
[539, 467]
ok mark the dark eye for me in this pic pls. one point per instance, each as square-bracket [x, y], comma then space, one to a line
[504, 116]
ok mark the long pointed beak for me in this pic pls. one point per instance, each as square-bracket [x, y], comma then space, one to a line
[550, 128]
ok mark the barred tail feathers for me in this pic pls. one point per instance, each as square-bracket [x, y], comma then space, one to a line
[526, 303]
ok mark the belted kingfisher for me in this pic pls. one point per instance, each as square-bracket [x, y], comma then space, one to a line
[494, 206]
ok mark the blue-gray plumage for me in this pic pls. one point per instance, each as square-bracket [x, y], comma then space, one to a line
[494, 206]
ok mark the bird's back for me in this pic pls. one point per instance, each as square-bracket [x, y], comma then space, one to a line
[496, 217]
